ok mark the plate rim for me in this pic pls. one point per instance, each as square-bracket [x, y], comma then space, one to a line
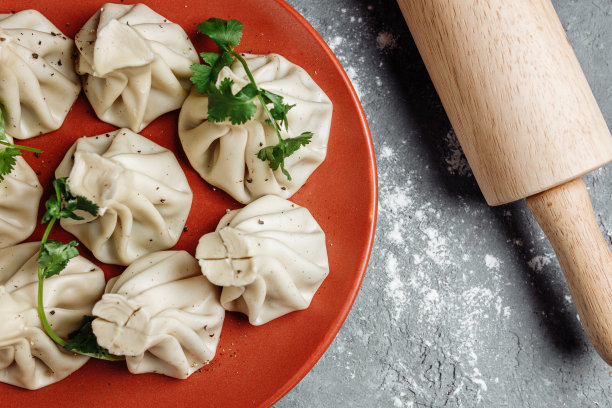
[331, 334]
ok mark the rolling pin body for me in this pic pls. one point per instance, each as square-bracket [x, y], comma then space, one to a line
[529, 126]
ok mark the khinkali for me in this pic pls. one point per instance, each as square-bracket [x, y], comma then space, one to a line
[269, 256]
[142, 192]
[136, 64]
[20, 194]
[28, 356]
[38, 84]
[225, 155]
[162, 314]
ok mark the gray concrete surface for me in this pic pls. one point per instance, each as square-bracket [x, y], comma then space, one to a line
[462, 305]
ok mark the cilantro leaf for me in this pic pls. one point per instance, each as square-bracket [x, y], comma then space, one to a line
[83, 340]
[276, 155]
[54, 256]
[8, 153]
[224, 33]
[7, 160]
[63, 204]
[86, 205]
[280, 109]
[201, 77]
[224, 104]
[205, 75]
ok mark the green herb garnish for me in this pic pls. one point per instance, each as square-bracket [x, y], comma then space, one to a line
[53, 256]
[9, 151]
[223, 104]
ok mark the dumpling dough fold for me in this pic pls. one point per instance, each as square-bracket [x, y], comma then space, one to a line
[38, 84]
[20, 194]
[162, 314]
[225, 155]
[142, 192]
[269, 257]
[28, 357]
[136, 64]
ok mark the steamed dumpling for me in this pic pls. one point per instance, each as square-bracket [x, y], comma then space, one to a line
[142, 192]
[20, 194]
[225, 155]
[38, 84]
[162, 314]
[269, 256]
[28, 357]
[136, 64]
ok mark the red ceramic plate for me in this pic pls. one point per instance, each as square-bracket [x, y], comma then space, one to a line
[254, 366]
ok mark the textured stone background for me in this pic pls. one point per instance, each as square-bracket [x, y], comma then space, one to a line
[462, 305]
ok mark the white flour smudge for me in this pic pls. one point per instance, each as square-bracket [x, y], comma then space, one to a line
[492, 262]
[537, 263]
[437, 249]
[395, 236]
[335, 42]
[386, 152]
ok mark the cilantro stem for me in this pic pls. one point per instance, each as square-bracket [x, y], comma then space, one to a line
[29, 149]
[41, 310]
[62, 206]
[238, 108]
[259, 96]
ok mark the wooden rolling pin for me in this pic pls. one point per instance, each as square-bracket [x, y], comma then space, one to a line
[529, 126]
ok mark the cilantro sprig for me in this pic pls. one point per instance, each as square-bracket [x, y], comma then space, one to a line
[223, 104]
[53, 256]
[9, 151]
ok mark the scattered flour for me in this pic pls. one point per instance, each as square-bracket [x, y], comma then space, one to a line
[429, 284]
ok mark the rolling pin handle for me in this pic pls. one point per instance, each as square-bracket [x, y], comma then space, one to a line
[566, 215]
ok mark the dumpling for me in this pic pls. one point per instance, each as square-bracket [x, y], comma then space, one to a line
[225, 155]
[38, 84]
[136, 64]
[28, 357]
[20, 194]
[269, 256]
[162, 314]
[142, 192]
